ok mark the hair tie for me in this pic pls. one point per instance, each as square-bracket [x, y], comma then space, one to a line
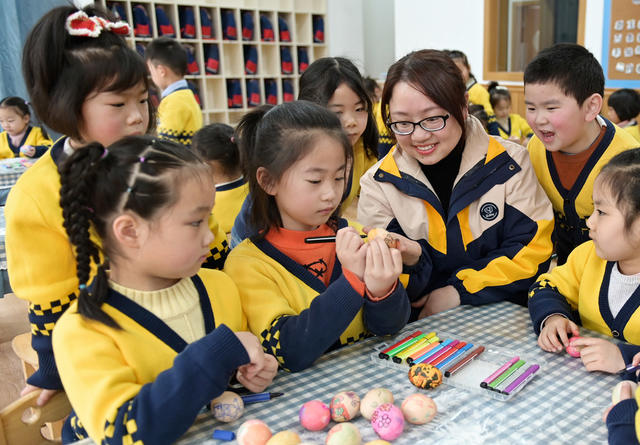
[104, 154]
[82, 286]
[90, 210]
[129, 189]
[233, 139]
[80, 24]
[142, 159]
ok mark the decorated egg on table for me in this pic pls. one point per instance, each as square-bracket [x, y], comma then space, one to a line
[373, 399]
[345, 406]
[572, 350]
[418, 409]
[388, 421]
[424, 375]
[314, 415]
[615, 394]
[284, 438]
[253, 432]
[389, 239]
[227, 407]
[378, 442]
[345, 433]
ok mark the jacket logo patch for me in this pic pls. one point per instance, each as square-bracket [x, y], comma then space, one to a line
[489, 211]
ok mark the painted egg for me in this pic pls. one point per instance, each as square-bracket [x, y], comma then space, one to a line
[253, 432]
[373, 399]
[284, 438]
[615, 394]
[389, 239]
[345, 406]
[419, 409]
[378, 442]
[344, 434]
[573, 351]
[314, 415]
[227, 407]
[424, 375]
[387, 421]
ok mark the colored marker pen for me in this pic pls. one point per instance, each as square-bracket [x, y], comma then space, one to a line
[383, 354]
[433, 342]
[450, 361]
[462, 362]
[519, 383]
[498, 371]
[431, 353]
[449, 349]
[407, 352]
[502, 377]
[448, 354]
[404, 346]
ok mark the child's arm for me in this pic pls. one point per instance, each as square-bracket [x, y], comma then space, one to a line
[598, 354]
[620, 419]
[106, 393]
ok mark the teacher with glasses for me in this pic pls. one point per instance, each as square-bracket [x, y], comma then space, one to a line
[471, 201]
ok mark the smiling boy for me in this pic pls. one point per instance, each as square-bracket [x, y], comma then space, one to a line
[563, 89]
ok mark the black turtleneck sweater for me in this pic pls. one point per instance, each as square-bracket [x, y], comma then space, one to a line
[442, 175]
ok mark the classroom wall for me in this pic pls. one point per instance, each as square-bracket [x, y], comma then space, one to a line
[345, 30]
[379, 37]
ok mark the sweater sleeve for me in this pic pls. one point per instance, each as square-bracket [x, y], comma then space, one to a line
[115, 408]
[621, 423]
[219, 248]
[387, 316]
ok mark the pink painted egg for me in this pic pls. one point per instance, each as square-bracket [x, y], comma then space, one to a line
[573, 351]
[314, 415]
[345, 406]
[344, 434]
[284, 438]
[253, 432]
[388, 421]
[373, 399]
[227, 407]
[419, 409]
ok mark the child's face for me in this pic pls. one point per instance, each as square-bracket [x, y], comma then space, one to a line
[108, 116]
[311, 189]
[351, 110]
[607, 229]
[557, 119]
[502, 109]
[178, 239]
[427, 147]
[12, 122]
[612, 115]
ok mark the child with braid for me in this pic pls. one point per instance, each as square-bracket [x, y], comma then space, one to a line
[151, 340]
[86, 83]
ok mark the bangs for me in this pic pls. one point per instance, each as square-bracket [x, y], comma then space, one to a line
[116, 70]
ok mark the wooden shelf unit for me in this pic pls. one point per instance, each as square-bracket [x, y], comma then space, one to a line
[298, 14]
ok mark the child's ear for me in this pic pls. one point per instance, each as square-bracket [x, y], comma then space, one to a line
[266, 181]
[129, 230]
[592, 106]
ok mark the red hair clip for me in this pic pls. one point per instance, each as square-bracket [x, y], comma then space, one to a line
[80, 24]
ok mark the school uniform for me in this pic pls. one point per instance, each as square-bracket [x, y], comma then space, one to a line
[494, 238]
[579, 290]
[361, 163]
[571, 208]
[33, 136]
[634, 130]
[229, 199]
[386, 139]
[479, 95]
[623, 421]
[517, 126]
[179, 115]
[143, 383]
[299, 312]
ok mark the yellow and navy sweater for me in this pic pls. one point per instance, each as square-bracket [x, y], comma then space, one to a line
[495, 237]
[41, 261]
[33, 136]
[179, 116]
[219, 247]
[579, 291]
[361, 163]
[517, 127]
[229, 199]
[296, 317]
[571, 208]
[634, 130]
[479, 95]
[623, 421]
[143, 384]
[386, 139]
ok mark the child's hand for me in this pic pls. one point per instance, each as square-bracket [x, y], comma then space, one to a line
[554, 336]
[625, 393]
[44, 396]
[440, 300]
[409, 249]
[351, 250]
[258, 381]
[259, 364]
[383, 266]
[28, 150]
[598, 354]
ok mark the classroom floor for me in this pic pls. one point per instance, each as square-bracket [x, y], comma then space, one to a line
[13, 321]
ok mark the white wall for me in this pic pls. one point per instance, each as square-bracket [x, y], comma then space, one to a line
[379, 37]
[345, 33]
[594, 27]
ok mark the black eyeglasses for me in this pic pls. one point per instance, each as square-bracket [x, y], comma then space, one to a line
[432, 123]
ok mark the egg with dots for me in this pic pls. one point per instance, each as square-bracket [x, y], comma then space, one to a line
[344, 406]
[573, 350]
[373, 399]
[253, 432]
[344, 434]
[424, 375]
[389, 239]
[314, 415]
[284, 438]
[418, 409]
[388, 421]
[227, 407]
